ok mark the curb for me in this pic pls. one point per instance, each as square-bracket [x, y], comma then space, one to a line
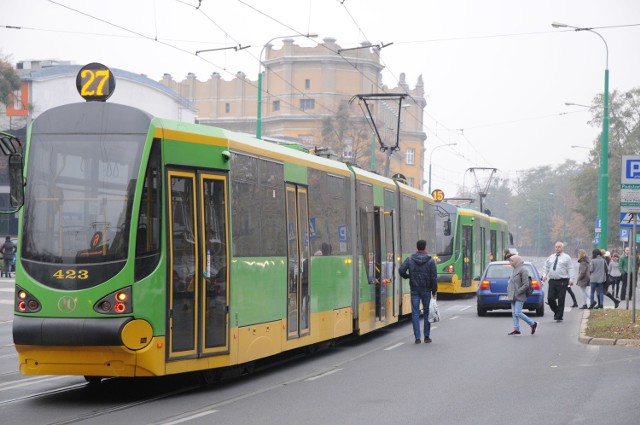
[585, 339]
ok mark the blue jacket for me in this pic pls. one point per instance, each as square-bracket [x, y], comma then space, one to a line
[422, 273]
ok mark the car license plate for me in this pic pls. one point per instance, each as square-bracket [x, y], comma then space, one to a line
[502, 298]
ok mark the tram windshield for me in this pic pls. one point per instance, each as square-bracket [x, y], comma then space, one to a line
[79, 196]
[445, 222]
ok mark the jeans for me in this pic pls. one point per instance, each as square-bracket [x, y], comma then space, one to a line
[599, 286]
[585, 296]
[416, 297]
[516, 312]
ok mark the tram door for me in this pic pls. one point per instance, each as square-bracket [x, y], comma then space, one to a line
[388, 255]
[298, 260]
[198, 286]
[483, 248]
[467, 255]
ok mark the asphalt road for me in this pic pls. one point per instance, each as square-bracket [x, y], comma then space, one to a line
[472, 373]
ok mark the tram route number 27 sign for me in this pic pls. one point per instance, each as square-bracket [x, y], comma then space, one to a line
[630, 184]
[95, 82]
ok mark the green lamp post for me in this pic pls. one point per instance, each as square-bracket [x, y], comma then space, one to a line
[603, 173]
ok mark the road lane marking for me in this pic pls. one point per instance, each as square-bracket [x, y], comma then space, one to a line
[322, 375]
[394, 346]
[188, 418]
[28, 381]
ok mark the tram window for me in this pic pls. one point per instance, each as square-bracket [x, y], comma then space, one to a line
[271, 173]
[447, 227]
[149, 217]
[244, 168]
[272, 225]
[246, 224]
[409, 231]
[327, 212]
[258, 207]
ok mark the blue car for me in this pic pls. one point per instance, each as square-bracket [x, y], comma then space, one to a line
[492, 291]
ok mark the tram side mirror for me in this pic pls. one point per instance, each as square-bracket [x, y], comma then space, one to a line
[447, 227]
[16, 181]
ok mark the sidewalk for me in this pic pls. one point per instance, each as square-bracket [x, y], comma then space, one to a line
[585, 339]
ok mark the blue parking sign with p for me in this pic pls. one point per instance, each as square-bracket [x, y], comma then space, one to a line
[343, 233]
[632, 169]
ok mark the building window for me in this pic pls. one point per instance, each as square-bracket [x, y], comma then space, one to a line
[227, 107]
[307, 104]
[411, 181]
[307, 84]
[410, 156]
[276, 105]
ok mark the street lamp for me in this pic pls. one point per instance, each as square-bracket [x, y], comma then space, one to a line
[259, 111]
[603, 175]
[576, 104]
[431, 156]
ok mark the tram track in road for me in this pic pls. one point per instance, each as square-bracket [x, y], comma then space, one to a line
[88, 389]
[122, 395]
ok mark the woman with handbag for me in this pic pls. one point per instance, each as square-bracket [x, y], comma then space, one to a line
[517, 292]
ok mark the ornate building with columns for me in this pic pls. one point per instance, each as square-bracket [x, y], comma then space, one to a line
[308, 98]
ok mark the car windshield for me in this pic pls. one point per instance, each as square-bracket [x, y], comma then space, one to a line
[503, 271]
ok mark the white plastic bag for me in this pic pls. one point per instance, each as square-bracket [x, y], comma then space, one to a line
[434, 312]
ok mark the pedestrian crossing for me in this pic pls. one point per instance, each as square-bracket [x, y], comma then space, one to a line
[7, 290]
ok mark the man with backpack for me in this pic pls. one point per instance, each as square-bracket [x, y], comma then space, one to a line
[421, 271]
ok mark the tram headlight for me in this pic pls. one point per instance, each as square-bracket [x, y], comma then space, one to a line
[118, 302]
[25, 302]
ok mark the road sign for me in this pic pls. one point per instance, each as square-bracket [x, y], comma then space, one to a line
[598, 225]
[626, 220]
[624, 235]
[630, 184]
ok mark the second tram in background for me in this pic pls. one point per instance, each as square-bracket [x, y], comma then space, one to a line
[466, 241]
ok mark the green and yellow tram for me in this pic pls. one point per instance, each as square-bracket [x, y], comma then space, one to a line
[466, 241]
[152, 247]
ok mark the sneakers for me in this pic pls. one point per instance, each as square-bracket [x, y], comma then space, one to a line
[534, 327]
[515, 332]
[427, 339]
[417, 341]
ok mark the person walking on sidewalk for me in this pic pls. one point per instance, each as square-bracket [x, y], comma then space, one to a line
[615, 275]
[420, 269]
[625, 265]
[584, 275]
[517, 293]
[557, 270]
[598, 277]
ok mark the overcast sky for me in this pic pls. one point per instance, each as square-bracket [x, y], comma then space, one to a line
[496, 73]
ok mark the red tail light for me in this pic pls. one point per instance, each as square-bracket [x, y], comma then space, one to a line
[535, 285]
[485, 284]
[25, 302]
